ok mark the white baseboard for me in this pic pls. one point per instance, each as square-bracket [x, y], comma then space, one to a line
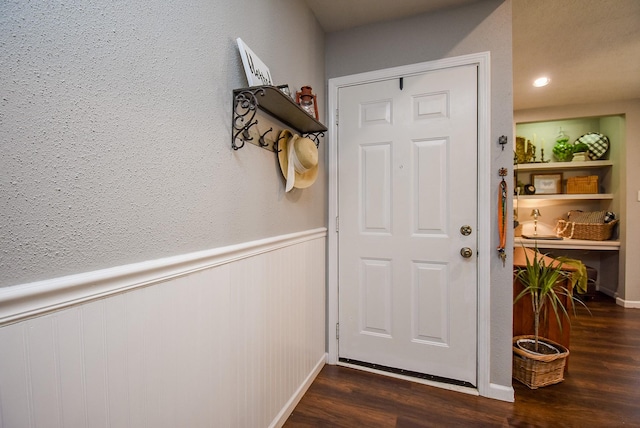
[286, 411]
[501, 392]
[632, 304]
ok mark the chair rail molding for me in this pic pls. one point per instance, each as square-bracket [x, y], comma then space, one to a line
[20, 302]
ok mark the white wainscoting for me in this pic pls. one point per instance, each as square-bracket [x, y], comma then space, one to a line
[232, 341]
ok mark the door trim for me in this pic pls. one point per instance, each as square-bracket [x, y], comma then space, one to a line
[483, 61]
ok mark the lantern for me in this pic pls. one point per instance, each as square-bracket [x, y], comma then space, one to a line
[307, 100]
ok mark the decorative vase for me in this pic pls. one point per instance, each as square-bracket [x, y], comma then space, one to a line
[563, 152]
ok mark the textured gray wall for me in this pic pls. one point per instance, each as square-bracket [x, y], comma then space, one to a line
[115, 131]
[482, 26]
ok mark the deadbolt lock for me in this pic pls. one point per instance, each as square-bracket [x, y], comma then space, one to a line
[466, 230]
[466, 252]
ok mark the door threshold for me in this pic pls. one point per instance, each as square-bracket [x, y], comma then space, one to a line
[425, 379]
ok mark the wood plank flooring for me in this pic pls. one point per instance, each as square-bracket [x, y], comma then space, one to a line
[601, 389]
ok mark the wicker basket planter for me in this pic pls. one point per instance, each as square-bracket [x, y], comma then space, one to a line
[537, 370]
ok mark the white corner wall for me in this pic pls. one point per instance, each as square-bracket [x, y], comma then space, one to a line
[228, 338]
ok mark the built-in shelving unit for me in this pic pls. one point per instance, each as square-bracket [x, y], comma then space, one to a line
[602, 255]
[601, 169]
[271, 100]
[555, 206]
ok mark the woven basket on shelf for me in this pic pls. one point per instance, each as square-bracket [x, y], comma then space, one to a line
[536, 370]
[588, 231]
[582, 185]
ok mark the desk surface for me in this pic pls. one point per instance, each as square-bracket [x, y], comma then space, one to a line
[520, 256]
[567, 244]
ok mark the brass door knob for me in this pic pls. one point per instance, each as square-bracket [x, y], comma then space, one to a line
[465, 230]
[466, 252]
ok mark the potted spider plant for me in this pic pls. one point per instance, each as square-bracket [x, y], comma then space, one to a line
[539, 361]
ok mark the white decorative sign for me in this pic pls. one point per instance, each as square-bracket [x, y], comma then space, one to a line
[256, 70]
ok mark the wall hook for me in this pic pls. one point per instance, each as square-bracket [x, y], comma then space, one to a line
[502, 141]
[261, 140]
[276, 143]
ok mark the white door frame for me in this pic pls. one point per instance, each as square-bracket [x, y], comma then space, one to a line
[482, 60]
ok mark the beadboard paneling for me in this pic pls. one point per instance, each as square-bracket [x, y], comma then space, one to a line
[232, 345]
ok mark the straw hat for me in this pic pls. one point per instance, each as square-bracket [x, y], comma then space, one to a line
[298, 159]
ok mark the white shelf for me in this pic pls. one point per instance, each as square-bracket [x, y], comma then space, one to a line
[568, 244]
[569, 197]
[562, 165]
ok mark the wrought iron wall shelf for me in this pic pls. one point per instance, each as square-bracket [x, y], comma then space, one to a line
[271, 100]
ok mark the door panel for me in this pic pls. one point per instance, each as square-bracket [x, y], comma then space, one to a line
[375, 297]
[376, 188]
[407, 183]
[429, 168]
[429, 286]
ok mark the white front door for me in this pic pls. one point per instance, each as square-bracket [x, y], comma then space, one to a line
[407, 184]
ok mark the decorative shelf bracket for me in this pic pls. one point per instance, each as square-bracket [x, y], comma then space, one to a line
[245, 104]
[274, 102]
[314, 136]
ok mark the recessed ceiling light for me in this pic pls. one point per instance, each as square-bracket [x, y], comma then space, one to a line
[541, 81]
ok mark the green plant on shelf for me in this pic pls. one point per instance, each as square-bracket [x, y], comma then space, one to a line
[580, 147]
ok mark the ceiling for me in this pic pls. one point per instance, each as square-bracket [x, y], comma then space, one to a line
[589, 48]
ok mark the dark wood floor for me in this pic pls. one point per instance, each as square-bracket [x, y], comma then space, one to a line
[602, 388]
